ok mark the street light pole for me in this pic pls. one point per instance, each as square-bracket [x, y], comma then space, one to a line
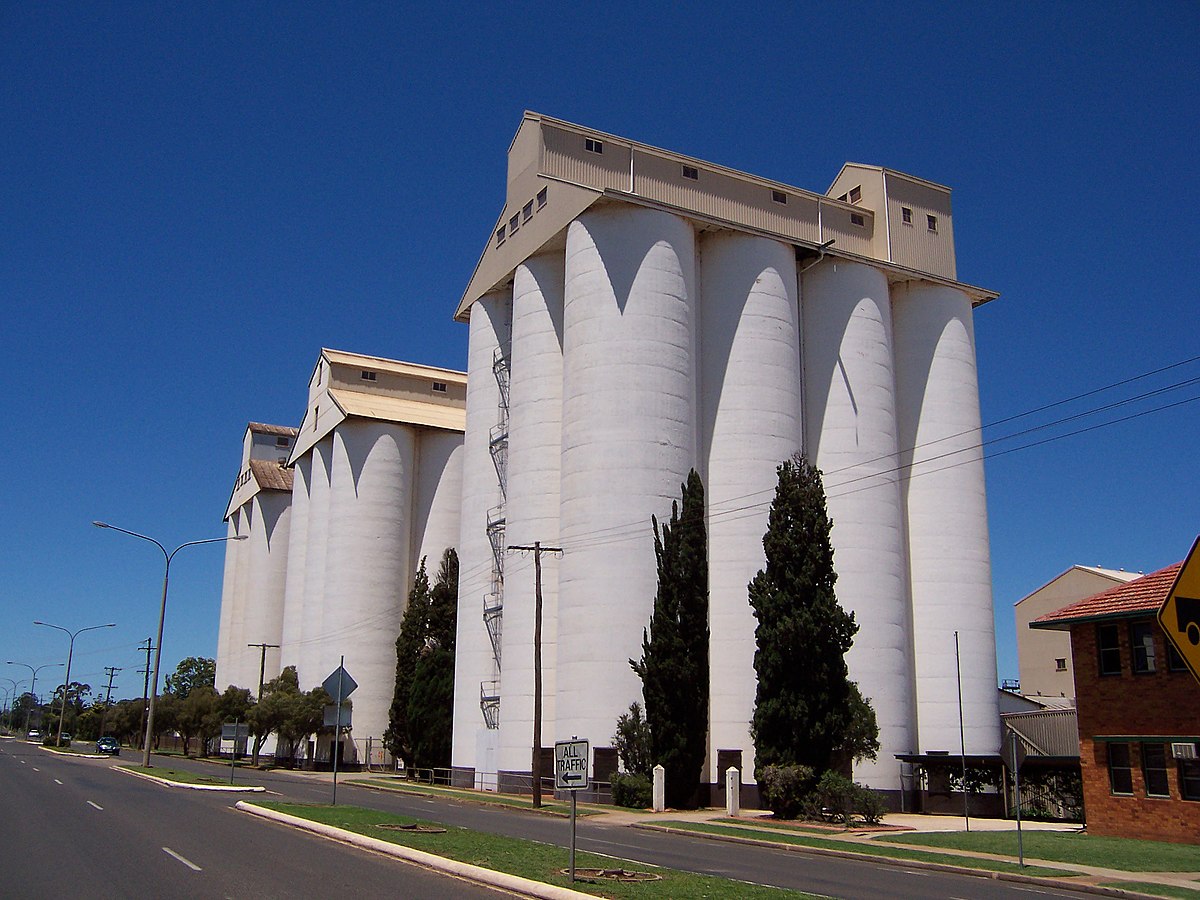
[62, 709]
[11, 703]
[32, 687]
[162, 615]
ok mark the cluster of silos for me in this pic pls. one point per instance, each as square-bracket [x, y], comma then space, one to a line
[646, 348]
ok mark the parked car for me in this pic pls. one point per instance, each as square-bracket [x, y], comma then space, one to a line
[35, 735]
[108, 745]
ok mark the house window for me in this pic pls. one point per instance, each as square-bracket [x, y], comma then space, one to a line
[906, 215]
[691, 172]
[779, 196]
[1141, 636]
[541, 198]
[1154, 770]
[281, 442]
[855, 194]
[591, 145]
[932, 222]
[369, 376]
[513, 224]
[1189, 779]
[439, 387]
[1108, 640]
[1060, 664]
[1120, 773]
[1175, 661]
[856, 219]
[499, 235]
[527, 211]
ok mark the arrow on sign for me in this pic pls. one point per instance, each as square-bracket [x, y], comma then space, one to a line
[1179, 616]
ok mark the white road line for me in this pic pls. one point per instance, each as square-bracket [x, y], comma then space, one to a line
[187, 862]
[56, 781]
[95, 806]
[36, 769]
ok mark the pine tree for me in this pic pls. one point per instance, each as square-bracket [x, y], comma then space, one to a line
[409, 644]
[431, 694]
[803, 708]
[674, 663]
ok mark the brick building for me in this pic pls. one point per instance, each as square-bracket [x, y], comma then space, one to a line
[1139, 713]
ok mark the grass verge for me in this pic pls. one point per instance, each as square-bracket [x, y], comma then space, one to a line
[528, 859]
[822, 843]
[490, 798]
[1158, 890]
[177, 775]
[1126, 854]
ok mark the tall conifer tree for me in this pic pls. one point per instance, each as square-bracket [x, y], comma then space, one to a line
[674, 663]
[431, 694]
[409, 645]
[803, 709]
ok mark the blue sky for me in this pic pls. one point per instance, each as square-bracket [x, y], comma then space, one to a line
[197, 197]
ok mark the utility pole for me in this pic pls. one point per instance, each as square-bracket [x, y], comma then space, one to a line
[535, 768]
[110, 671]
[262, 671]
[146, 686]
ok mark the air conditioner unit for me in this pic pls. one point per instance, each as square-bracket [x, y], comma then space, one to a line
[1183, 751]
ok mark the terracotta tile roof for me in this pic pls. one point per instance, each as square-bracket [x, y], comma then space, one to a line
[1138, 597]
[270, 475]
[277, 430]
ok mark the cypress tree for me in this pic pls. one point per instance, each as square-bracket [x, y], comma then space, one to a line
[409, 645]
[674, 663]
[431, 693]
[803, 708]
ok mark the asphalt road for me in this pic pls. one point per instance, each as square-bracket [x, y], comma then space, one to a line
[75, 828]
[812, 872]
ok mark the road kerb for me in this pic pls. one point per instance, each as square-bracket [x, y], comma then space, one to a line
[1014, 877]
[225, 788]
[524, 886]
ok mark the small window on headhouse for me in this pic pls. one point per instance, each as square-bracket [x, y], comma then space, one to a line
[1060, 664]
[779, 196]
[369, 376]
[541, 198]
[691, 172]
[932, 222]
[527, 211]
[856, 219]
[591, 145]
[906, 215]
[499, 235]
[855, 194]
[439, 387]
[281, 442]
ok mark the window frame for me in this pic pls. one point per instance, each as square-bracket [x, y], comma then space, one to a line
[440, 387]
[1148, 664]
[691, 173]
[779, 196]
[1188, 771]
[1125, 767]
[1101, 629]
[858, 220]
[906, 216]
[1175, 660]
[543, 197]
[1146, 770]
[368, 375]
[593, 145]
[931, 222]
[1060, 664]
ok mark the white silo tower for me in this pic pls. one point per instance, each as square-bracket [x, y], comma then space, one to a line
[750, 347]
[947, 517]
[851, 436]
[531, 507]
[293, 604]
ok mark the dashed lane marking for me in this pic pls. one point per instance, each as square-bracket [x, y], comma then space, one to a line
[95, 806]
[56, 781]
[183, 859]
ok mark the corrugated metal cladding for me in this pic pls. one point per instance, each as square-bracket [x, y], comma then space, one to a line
[1051, 732]
[914, 244]
[723, 196]
[565, 157]
[836, 225]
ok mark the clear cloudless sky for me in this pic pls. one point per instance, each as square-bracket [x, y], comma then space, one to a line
[195, 198]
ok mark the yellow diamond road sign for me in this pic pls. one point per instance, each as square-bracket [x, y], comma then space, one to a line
[1179, 616]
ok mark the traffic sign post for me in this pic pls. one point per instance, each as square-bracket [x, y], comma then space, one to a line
[570, 774]
[1179, 616]
[338, 685]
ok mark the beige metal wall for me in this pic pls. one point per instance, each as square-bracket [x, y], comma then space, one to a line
[915, 246]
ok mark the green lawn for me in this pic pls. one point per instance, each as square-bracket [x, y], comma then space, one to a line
[784, 825]
[492, 798]
[832, 843]
[177, 775]
[1125, 854]
[541, 862]
[1159, 890]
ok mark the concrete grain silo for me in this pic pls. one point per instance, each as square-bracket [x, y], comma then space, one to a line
[716, 320]
[371, 428]
[256, 568]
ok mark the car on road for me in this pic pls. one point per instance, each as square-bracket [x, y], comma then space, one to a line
[34, 735]
[108, 745]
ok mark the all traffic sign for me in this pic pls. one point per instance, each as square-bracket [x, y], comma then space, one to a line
[570, 765]
[1179, 616]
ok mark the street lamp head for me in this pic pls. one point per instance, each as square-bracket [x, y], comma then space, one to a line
[101, 524]
[240, 537]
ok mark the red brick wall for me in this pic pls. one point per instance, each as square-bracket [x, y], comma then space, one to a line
[1159, 704]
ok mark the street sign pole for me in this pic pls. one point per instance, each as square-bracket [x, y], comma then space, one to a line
[337, 728]
[572, 837]
[1017, 781]
[570, 774]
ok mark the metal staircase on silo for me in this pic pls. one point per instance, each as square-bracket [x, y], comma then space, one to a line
[493, 601]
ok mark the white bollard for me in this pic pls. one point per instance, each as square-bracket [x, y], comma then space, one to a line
[733, 792]
[660, 788]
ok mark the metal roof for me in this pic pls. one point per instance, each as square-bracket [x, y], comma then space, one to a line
[1140, 597]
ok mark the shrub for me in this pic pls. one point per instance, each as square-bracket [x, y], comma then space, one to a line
[632, 790]
[871, 806]
[51, 740]
[784, 789]
[835, 797]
